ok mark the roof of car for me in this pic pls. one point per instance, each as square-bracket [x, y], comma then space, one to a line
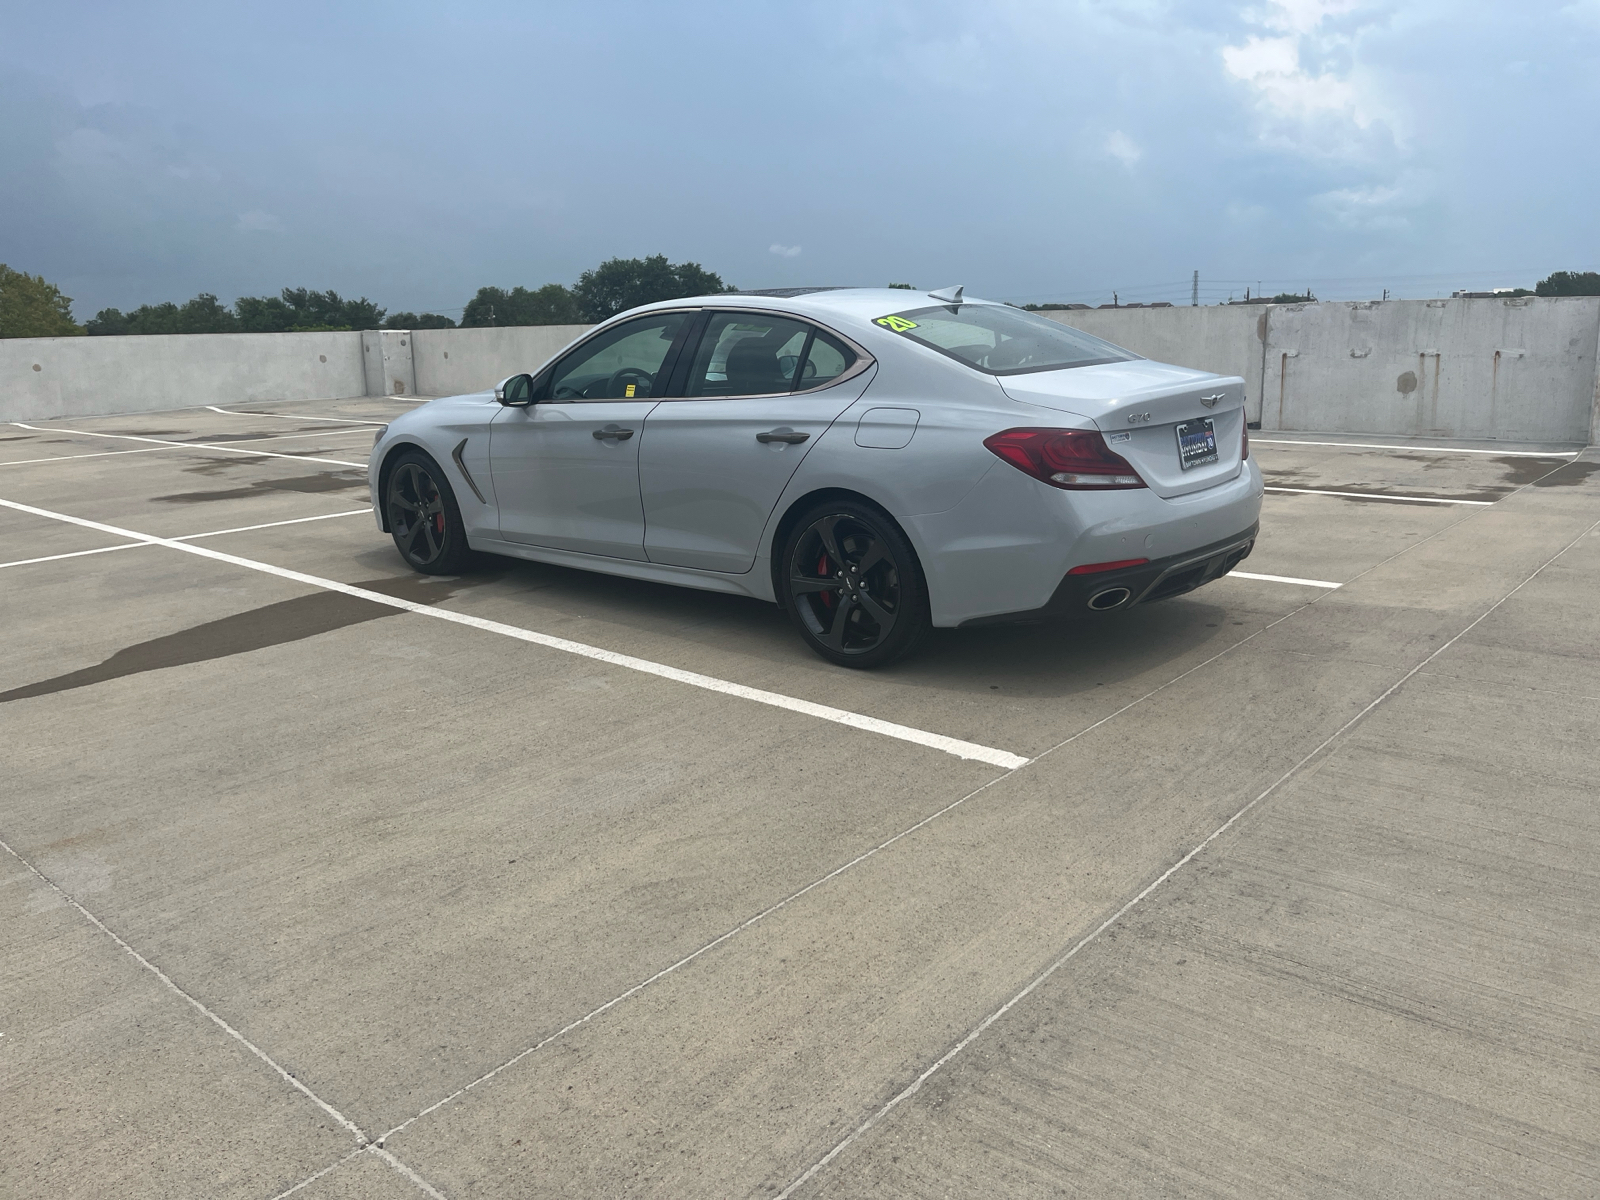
[857, 304]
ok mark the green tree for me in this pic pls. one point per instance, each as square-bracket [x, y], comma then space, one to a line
[411, 320]
[623, 283]
[903, 287]
[300, 310]
[154, 318]
[31, 307]
[1569, 283]
[108, 322]
[262, 314]
[205, 314]
[326, 310]
[551, 304]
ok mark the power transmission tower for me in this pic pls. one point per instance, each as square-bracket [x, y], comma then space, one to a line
[1194, 293]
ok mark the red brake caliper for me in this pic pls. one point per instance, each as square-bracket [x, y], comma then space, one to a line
[822, 570]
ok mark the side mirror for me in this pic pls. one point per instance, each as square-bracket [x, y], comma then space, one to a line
[515, 392]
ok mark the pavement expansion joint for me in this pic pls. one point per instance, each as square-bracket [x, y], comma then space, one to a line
[1319, 752]
[1010, 765]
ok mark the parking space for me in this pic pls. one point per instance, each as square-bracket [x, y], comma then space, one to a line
[328, 879]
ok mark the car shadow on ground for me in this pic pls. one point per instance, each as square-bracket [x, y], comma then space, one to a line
[1039, 659]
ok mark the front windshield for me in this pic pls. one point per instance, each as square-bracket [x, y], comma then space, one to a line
[1000, 339]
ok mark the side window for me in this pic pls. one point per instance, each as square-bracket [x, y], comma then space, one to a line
[621, 364]
[747, 354]
[828, 359]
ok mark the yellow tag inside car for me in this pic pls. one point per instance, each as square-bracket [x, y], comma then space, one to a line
[898, 324]
[631, 386]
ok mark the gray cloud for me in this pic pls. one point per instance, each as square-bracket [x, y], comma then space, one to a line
[1032, 149]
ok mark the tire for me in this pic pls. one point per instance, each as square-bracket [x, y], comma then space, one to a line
[852, 585]
[424, 518]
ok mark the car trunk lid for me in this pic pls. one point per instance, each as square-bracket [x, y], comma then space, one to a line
[1139, 407]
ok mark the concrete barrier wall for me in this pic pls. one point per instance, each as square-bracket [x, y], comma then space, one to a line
[1221, 338]
[1511, 370]
[89, 376]
[452, 361]
[1516, 370]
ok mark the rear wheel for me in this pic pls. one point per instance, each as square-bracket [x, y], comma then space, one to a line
[852, 585]
[424, 517]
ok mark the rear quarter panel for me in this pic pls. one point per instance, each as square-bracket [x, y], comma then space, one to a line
[944, 461]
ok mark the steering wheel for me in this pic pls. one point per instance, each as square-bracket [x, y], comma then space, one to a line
[618, 387]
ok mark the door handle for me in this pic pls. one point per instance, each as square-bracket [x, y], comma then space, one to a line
[793, 439]
[621, 435]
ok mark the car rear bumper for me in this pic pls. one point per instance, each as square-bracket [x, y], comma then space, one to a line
[1080, 596]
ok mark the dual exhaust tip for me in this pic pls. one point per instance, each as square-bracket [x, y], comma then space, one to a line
[1111, 598]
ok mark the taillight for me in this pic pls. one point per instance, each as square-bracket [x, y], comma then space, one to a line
[1072, 459]
[1244, 445]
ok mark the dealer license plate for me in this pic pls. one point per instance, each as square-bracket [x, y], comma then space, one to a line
[1197, 442]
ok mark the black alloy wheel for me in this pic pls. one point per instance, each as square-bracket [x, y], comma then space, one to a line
[424, 517]
[853, 586]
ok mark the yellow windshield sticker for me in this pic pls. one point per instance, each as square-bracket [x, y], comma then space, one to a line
[898, 324]
[631, 386]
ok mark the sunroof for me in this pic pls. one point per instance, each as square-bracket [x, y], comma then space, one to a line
[788, 292]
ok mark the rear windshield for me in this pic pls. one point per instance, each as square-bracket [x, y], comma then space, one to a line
[1000, 339]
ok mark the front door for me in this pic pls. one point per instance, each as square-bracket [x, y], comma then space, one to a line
[760, 391]
[566, 467]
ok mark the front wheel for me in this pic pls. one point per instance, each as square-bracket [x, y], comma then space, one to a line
[852, 585]
[424, 517]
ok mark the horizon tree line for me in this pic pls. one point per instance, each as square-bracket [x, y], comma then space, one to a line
[614, 286]
[30, 306]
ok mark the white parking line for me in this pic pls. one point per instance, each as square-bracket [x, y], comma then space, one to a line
[1254, 441]
[187, 537]
[289, 437]
[354, 512]
[920, 737]
[128, 437]
[1373, 496]
[23, 562]
[228, 412]
[1317, 583]
[20, 462]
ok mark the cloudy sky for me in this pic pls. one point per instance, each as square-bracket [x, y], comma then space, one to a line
[1029, 149]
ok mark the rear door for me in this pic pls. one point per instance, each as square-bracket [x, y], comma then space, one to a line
[758, 392]
[566, 467]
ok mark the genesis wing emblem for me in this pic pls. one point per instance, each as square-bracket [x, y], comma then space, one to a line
[1211, 401]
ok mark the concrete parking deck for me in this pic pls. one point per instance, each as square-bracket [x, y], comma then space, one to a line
[322, 878]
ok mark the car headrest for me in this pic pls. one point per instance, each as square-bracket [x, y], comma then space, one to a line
[753, 368]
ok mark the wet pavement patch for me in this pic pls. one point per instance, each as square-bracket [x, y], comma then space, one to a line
[1571, 474]
[1519, 471]
[323, 481]
[271, 625]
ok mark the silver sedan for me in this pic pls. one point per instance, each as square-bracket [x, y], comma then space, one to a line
[878, 462]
